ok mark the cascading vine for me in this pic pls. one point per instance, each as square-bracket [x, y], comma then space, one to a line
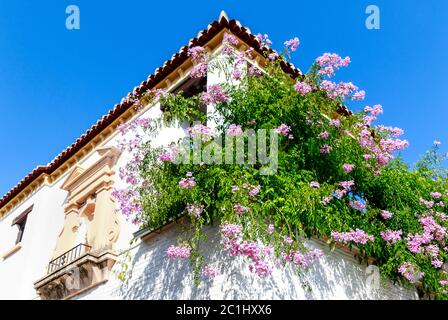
[336, 177]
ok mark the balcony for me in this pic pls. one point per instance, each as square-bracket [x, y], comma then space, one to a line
[67, 257]
[75, 271]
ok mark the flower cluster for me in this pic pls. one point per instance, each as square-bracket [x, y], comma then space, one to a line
[358, 205]
[234, 130]
[144, 123]
[386, 214]
[178, 252]
[303, 259]
[165, 156]
[303, 88]
[292, 43]
[330, 62]
[357, 236]
[384, 149]
[240, 209]
[128, 200]
[284, 130]
[195, 210]
[314, 184]
[323, 135]
[263, 40]
[410, 272]
[325, 149]
[391, 236]
[200, 57]
[209, 271]
[424, 243]
[335, 123]
[341, 90]
[347, 167]
[202, 131]
[214, 95]
[188, 182]
[232, 239]
[229, 40]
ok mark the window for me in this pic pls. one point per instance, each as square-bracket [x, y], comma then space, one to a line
[20, 222]
[189, 88]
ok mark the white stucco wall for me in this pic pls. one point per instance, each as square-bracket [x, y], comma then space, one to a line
[336, 276]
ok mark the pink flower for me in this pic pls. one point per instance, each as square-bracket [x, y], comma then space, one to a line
[410, 272]
[436, 195]
[231, 230]
[348, 167]
[195, 210]
[234, 130]
[334, 123]
[210, 271]
[287, 240]
[204, 132]
[303, 88]
[428, 204]
[196, 52]
[314, 184]
[340, 193]
[182, 252]
[283, 129]
[272, 56]
[165, 156]
[263, 40]
[261, 268]
[443, 282]
[325, 149]
[357, 205]
[391, 236]
[375, 110]
[325, 201]
[292, 43]
[236, 74]
[228, 41]
[214, 95]
[199, 70]
[386, 214]
[271, 229]
[187, 183]
[329, 62]
[198, 55]
[254, 191]
[240, 209]
[359, 95]
[254, 71]
[356, 236]
[324, 135]
[347, 184]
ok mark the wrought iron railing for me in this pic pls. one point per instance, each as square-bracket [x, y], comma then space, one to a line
[67, 257]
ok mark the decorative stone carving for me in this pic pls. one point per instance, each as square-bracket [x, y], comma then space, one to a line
[90, 217]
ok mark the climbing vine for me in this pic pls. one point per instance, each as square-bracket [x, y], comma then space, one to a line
[337, 174]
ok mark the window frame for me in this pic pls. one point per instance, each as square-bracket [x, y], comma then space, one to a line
[21, 221]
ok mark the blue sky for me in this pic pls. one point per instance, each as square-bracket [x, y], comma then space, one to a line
[56, 83]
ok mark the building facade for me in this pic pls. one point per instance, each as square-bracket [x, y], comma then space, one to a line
[61, 236]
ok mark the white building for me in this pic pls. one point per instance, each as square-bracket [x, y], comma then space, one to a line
[61, 237]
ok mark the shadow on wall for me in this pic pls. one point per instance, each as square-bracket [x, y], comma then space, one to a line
[336, 276]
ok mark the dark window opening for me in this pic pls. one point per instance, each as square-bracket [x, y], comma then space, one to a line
[190, 87]
[20, 222]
